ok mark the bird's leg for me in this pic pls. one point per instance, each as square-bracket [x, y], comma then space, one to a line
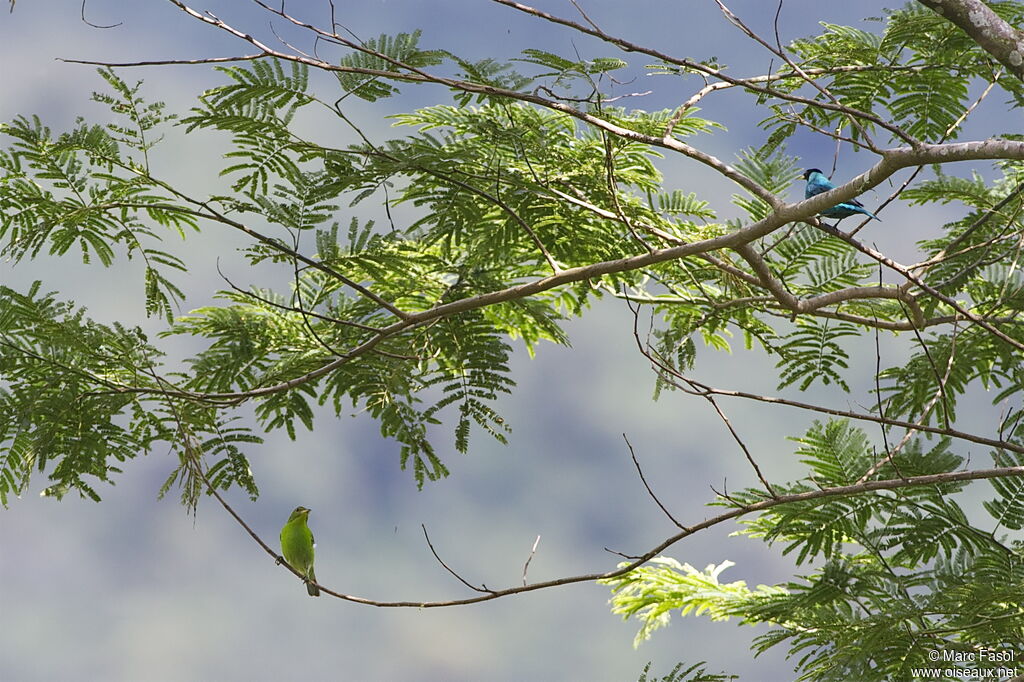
[831, 229]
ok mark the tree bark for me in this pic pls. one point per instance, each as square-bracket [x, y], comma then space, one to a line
[985, 27]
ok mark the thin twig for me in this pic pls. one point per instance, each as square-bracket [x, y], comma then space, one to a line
[650, 492]
[721, 415]
[448, 568]
[533, 550]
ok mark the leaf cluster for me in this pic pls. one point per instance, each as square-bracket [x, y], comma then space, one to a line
[916, 75]
[894, 573]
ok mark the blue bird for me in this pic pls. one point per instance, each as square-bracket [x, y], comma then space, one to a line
[818, 183]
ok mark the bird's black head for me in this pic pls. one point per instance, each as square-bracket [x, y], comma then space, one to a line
[807, 173]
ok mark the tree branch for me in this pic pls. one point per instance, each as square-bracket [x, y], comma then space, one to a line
[986, 28]
[738, 512]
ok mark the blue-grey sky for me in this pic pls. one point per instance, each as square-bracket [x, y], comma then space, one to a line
[134, 589]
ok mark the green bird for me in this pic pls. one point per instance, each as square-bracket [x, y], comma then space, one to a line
[297, 547]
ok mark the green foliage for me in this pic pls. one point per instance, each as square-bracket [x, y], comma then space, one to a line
[142, 117]
[810, 262]
[79, 400]
[814, 352]
[944, 365]
[565, 71]
[411, 317]
[853, 618]
[650, 594]
[381, 54]
[892, 569]
[839, 455]
[695, 673]
[916, 75]
[771, 169]
[487, 72]
[257, 108]
[1008, 507]
[79, 189]
[677, 203]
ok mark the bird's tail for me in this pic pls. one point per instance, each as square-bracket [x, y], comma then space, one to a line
[311, 589]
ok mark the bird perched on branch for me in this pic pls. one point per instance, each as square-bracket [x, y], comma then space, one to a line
[818, 183]
[297, 547]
